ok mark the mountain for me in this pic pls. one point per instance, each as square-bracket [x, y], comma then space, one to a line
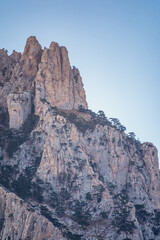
[65, 171]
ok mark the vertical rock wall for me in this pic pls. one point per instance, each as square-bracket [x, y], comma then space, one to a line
[47, 74]
[19, 107]
[57, 82]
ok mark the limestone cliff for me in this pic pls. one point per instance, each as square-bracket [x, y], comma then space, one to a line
[21, 221]
[79, 175]
[56, 82]
[19, 107]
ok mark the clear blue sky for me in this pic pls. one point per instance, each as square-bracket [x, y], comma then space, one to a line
[114, 43]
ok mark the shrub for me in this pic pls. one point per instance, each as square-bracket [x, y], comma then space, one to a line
[104, 215]
[22, 186]
[12, 146]
[15, 138]
[100, 189]
[1, 223]
[157, 217]
[88, 196]
[80, 215]
[60, 211]
[37, 193]
[155, 230]
[141, 213]
[66, 233]
[6, 173]
[122, 223]
[126, 226]
[132, 162]
[64, 194]
[72, 236]
[101, 178]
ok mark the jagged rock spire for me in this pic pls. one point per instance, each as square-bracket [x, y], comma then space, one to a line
[57, 82]
[47, 75]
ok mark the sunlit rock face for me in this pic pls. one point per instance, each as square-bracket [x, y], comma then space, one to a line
[21, 221]
[56, 82]
[66, 172]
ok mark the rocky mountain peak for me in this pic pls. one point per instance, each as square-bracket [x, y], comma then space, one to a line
[46, 74]
[53, 46]
[57, 82]
[31, 57]
[32, 47]
[15, 56]
[67, 173]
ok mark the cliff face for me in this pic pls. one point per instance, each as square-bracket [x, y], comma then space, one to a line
[56, 82]
[81, 175]
[19, 107]
[20, 221]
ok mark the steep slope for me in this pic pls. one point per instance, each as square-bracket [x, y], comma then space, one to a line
[20, 221]
[76, 168]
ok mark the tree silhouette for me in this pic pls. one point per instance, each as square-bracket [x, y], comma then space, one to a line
[116, 123]
[132, 135]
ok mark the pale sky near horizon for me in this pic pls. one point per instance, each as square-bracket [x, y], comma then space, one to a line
[114, 43]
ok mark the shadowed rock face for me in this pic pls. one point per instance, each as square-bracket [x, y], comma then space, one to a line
[80, 176]
[19, 107]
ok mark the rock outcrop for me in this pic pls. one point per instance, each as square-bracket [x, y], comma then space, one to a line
[19, 220]
[45, 73]
[7, 64]
[80, 175]
[19, 107]
[56, 82]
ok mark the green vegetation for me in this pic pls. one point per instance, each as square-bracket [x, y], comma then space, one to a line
[45, 212]
[116, 123]
[88, 196]
[101, 178]
[122, 198]
[156, 230]
[6, 173]
[122, 223]
[141, 214]
[37, 192]
[5, 50]
[156, 221]
[131, 135]
[72, 236]
[14, 138]
[157, 217]
[100, 189]
[96, 118]
[94, 166]
[104, 215]
[22, 186]
[66, 233]
[121, 213]
[111, 187]
[81, 216]
[132, 163]
[1, 223]
[62, 177]
[4, 116]
[80, 123]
